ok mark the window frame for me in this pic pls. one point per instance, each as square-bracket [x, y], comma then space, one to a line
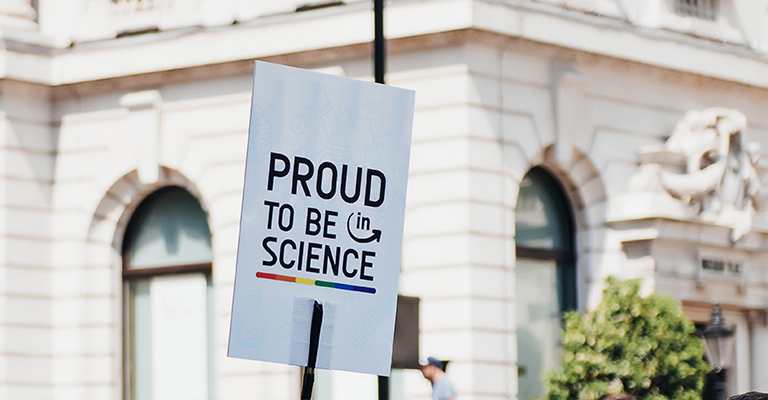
[130, 275]
[566, 260]
[565, 257]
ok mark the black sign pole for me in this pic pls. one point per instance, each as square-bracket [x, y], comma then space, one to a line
[379, 43]
[379, 68]
[383, 388]
[314, 341]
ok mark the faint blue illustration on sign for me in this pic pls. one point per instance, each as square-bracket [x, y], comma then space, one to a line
[377, 143]
[263, 134]
[252, 330]
[286, 316]
[337, 149]
[387, 305]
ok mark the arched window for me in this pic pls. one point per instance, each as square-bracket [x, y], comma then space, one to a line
[545, 276]
[167, 299]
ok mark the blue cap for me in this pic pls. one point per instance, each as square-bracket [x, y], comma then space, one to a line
[431, 361]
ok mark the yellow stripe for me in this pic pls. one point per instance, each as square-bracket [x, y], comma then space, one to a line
[305, 281]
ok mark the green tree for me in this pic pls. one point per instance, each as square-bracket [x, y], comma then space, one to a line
[643, 346]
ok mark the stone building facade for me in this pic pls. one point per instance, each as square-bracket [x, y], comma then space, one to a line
[555, 143]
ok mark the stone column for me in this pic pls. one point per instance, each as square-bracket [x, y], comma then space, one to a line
[17, 15]
[759, 346]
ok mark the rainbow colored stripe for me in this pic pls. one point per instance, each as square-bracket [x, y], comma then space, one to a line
[313, 282]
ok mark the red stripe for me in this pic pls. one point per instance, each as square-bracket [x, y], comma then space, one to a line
[266, 275]
[275, 277]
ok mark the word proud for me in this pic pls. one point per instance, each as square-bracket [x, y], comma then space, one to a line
[327, 180]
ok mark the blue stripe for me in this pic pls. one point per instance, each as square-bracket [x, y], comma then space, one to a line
[365, 289]
[343, 286]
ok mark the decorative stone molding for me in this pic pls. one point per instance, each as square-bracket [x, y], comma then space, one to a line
[708, 165]
[17, 15]
[144, 121]
[722, 265]
[643, 13]
[571, 111]
[138, 5]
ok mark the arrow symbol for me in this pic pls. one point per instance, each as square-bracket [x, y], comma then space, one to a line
[376, 234]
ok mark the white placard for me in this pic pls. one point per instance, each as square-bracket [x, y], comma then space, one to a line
[322, 218]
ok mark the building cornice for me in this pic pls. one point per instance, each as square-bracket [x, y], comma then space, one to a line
[621, 23]
[545, 30]
[321, 57]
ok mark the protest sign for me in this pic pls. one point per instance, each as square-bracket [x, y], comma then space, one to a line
[322, 219]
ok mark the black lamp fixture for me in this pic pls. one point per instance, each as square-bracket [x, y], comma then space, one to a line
[718, 342]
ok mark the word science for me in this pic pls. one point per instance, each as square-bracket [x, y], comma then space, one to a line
[322, 218]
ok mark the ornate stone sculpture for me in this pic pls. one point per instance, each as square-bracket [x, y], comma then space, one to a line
[716, 169]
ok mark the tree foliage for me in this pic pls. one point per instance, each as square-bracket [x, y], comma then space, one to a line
[643, 346]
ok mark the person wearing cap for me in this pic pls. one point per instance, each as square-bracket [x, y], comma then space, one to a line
[442, 388]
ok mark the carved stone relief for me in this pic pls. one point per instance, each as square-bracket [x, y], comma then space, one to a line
[707, 164]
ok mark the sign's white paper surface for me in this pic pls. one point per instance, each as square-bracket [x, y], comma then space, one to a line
[322, 218]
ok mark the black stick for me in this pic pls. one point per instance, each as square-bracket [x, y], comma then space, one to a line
[314, 341]
[379, 43]
[383, 387]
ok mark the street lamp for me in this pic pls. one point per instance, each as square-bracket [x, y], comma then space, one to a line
[718, 342]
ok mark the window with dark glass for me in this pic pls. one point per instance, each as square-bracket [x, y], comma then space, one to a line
[702, 9]
[545, 276]
[168, 299]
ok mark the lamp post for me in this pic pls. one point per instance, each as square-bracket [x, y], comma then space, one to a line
[718, 342]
